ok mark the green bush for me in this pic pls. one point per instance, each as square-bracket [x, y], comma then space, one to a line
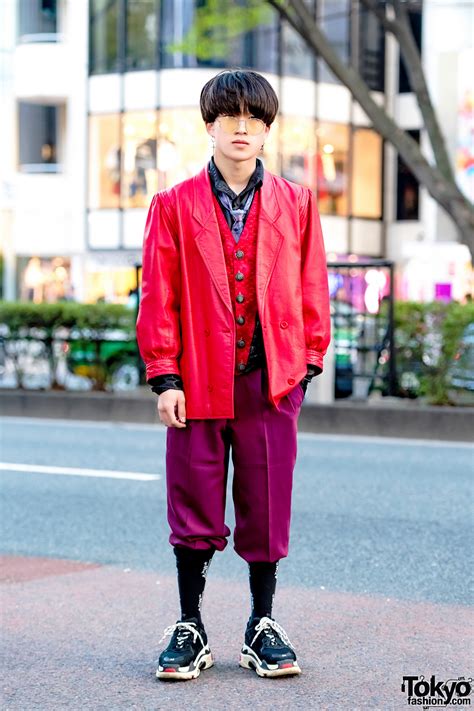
[28, 328]
[427, 336]
[21, 316]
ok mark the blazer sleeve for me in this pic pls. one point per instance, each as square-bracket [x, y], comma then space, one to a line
[158, 323]
[314, 281]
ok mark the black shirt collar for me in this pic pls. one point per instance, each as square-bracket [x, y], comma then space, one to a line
[219, 184]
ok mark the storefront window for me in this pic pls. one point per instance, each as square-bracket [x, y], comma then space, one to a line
[109, 284]
[141, 34]
[183, 146]
[366, 174]
[44, 279]
[139, 146]
[298, 146]
[332, 168]
[104, 36]
[104, 161]
[334, 20]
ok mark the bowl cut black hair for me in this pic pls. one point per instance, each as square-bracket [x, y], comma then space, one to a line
[238, 90]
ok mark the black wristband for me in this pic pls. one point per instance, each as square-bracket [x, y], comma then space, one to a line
[169, 381]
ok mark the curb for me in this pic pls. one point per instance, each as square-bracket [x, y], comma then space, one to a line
[377, 420]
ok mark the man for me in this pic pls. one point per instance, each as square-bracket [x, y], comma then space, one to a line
[233, 324]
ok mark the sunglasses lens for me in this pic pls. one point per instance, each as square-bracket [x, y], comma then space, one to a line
[230, 124]
[255, 126]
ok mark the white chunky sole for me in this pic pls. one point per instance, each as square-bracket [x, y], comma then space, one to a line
[204, 660]
[249, 660]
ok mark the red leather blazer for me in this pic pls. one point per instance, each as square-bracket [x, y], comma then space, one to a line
[185, 322]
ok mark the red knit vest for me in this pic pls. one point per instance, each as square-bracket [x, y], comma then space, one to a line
[240, 258]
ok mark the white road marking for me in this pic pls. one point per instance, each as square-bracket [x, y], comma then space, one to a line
[76, 471]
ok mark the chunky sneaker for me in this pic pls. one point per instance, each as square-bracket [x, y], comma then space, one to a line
[267, 649]
[187, 652]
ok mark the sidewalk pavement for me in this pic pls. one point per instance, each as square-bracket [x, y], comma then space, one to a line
[82, 636]
[384, 417]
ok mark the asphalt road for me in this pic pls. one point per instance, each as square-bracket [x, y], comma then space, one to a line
[375, 522]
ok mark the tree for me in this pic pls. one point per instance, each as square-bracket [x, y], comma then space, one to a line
[217, 21]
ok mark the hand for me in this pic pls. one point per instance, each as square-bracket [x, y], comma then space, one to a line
[172, 408]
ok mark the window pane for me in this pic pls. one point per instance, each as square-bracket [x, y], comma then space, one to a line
[183, 145]
[141, 34]
[334, 21]
[407, 188]
[297, 59]
[139, 146]
[298, 145]
[263, 47]
[371, 50]
[176, 19]
[332, 168]
[104, 161]
[38, 131]
[367, 174]
[37, 17]
[103, 45]
[414, 15]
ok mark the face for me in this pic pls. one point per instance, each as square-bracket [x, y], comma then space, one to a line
[227, 137]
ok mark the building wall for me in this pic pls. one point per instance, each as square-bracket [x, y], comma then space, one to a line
[92, 211]
[49, 214]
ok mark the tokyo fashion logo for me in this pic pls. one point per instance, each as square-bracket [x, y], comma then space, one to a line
[426, 693]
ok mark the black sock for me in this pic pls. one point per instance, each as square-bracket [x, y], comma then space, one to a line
[262, 577]
[192, 565]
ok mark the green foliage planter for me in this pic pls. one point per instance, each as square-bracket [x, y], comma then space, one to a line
[427, 337]
[20, 315]
[30, 331]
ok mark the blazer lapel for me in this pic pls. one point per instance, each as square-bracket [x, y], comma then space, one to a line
[270, 238]
[207, 237]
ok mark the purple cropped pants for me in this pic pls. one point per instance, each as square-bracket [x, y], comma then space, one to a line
[263, 441]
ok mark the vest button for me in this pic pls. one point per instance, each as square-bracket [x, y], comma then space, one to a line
[291, 381]
[241, 343]
[283, 324]
[239, 298]
[240, 320]
[239, 276]
[210, 388]
[241, 366]
[206, 332]
[239, 254]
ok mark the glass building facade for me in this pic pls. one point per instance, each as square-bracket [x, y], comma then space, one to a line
[160, 142]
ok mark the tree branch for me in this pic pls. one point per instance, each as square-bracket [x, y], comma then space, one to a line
[401, 29]
[443, 189]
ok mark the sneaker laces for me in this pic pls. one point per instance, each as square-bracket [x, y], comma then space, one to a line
[184, 631]
[268, 625]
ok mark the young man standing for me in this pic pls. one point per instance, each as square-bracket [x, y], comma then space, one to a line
[233, 324]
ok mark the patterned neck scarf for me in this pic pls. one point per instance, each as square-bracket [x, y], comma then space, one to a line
[237, 214]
